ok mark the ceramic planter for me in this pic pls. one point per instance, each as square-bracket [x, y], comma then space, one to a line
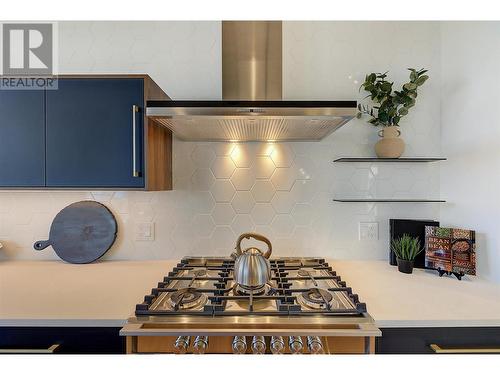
[391, 145]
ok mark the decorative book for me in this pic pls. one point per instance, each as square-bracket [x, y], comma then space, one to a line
[450, 250]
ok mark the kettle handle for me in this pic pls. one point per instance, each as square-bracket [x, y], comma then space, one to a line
[258, 237]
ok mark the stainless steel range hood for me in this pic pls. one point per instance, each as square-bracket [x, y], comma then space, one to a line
[252, 108]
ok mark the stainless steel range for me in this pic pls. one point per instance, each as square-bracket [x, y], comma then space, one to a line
[198, 307]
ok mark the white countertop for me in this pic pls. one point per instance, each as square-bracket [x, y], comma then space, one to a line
[53, 293]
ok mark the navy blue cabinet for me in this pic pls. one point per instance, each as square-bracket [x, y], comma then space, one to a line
[90, 133]
[94, 134]
[22, 138]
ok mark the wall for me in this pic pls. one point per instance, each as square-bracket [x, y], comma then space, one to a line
[282, 190]
[470, 133]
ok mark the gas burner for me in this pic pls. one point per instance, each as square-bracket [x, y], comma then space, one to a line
[240, 290]
[316, 298]
[299, 286]
[186, 299]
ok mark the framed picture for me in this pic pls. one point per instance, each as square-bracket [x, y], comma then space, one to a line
[450, 250]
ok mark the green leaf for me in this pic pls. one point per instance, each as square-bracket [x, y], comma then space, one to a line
[359, 115]
[421, 80]
[410, 104]
[410, 86]
[386, 86]
[395, 120]
[383, 116]
[413, 76]
[372, 77]
[403, 111]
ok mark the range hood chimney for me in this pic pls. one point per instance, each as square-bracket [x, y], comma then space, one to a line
[252, 108]
[252, 60]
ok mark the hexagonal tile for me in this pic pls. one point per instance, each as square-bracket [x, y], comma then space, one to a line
[241, 155]
[223, 148]
[242, 223]
[142, 211]
[382, 188]
[282, 155]
[223, 167]
[263, 213]
[264, 149]
[305, 166]
[264, 167]
[202, 179]
[223, 191]
[263, 191]
[203, 155]
[283, 202]
[301, 214]
[402, 180]
[381, 170]
[243, 178]
[202, 201]
[304, 191]
[283, 178]
[223, 213]
[283, 225]
[243, 202]
[203, 225]
[102, 196]
[223, 240]
[183, 238]
[361, 179]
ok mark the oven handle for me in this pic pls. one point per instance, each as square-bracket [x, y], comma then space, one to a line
[50, 350]
[439, 350]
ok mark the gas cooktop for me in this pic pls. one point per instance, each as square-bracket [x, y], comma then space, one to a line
[205, 286]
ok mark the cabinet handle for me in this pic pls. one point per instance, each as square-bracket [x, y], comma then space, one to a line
[135, 172]
[49, 350]
[439, 350]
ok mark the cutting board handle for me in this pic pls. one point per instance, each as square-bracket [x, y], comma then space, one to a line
[40, 245]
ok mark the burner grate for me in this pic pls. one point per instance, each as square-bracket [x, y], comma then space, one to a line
[316, 289]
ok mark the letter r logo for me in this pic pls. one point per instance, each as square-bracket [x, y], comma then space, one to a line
[27, 49]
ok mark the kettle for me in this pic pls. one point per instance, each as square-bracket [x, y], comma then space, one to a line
[251, 266]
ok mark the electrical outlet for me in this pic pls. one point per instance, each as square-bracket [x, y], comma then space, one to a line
[145, 231]
[368, 231]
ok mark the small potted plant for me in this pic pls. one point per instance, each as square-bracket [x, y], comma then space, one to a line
[390, 106]
[406, 249]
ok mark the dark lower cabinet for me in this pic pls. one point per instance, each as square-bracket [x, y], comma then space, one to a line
[419, 340]
[71, 340]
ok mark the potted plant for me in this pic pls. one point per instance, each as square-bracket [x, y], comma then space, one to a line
[390, 106]
[406, 249]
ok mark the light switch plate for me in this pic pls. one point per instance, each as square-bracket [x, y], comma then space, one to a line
[368, 231]
[145, 231]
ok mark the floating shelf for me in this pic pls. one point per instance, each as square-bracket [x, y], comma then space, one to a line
[390, 160]
[395, 200]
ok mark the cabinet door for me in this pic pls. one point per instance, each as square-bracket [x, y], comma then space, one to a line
[419, 340]
[22, 138]
[91, 141]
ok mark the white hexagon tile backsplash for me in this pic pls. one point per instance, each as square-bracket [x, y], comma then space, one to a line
[283, 190]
